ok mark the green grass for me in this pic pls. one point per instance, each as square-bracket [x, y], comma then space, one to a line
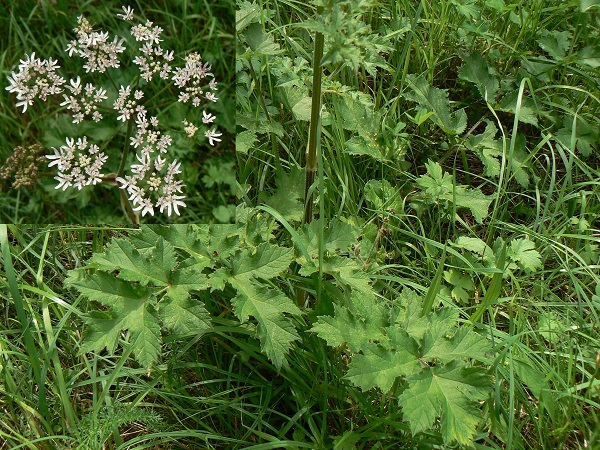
[545, 189]
[539, 311]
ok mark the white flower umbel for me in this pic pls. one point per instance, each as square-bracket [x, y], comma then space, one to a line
[127, 107]
[78, 165]
[84, 101]
[94, 47]
[154, 58]
[154, 185]
[151, 180]
[36, 78]
[191, 80]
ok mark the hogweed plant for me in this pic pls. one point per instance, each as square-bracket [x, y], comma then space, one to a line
[152, 180]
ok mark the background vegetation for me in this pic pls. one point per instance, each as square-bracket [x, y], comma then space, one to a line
[456, 196]
[462, 137]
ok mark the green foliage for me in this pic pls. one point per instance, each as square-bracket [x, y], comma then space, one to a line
[289, 201]
[435, 103]
[439, 189]
[157, 282]
[95, 430]
[429, 353]
[349, 40]
[163, 276]
[476, 70]
[148, 290]
[381, 196]
[521, 253]
[232, 303]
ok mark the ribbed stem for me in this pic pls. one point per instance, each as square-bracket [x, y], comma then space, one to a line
[312, 157]
[315, 129]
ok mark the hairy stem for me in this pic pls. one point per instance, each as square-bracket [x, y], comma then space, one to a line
[312, 157]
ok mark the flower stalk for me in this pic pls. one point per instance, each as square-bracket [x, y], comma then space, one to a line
[313, 157]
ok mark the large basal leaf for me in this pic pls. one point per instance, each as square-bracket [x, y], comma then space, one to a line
[132, 266]
[268, 306]
[348, 326]
[288, 199]
[488, 149]
[429, 352]
[379, 367]
[382, 196]
[476, 70]
[132, 308]
[555, 43]
[464, 344]
[267, 262]
[450, 391]
[261, 43]
[357, 112]
[348, 273]
[338, 236]
[180, 312]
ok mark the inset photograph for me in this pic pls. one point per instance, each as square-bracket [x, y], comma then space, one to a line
[117, 114]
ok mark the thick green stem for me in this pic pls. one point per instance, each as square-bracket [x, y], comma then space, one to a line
[129, 212]
[312, 156]
[315, 129]
[126, 149]
[125, 204]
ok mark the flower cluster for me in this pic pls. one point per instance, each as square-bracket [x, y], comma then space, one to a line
[151, 177]
[78, 165]
[36, 78]
[24, 164]
[149, 140]
[84, 101]
[126, 106]
[189, 128]
[190, 80]
[150, 63]
[94, 47]
[151, 181]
